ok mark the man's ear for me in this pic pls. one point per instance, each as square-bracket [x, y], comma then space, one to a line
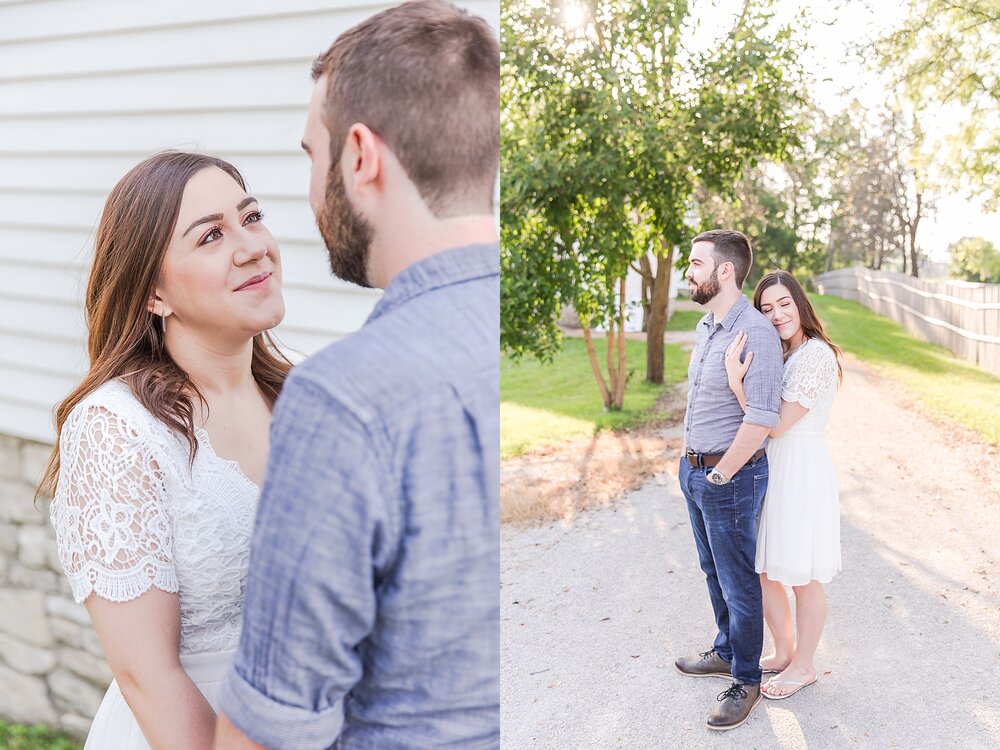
[361, 158]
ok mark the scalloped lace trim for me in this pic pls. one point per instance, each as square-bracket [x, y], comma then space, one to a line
[122, 585]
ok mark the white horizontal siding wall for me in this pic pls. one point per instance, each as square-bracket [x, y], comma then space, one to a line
[87, 90]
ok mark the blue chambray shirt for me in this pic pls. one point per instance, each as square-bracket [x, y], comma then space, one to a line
[714, 414]
[371, 617]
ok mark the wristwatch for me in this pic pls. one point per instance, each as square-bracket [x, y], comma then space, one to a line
[717, 477]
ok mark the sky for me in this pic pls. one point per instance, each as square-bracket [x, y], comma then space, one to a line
[834, 29]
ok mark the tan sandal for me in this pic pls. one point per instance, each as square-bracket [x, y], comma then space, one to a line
[773, 681]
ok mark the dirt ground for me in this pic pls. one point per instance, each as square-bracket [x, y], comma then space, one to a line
[559, 482]
[556, 483]
[597, 601]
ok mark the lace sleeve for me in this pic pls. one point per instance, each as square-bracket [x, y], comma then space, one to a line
[814, 373]
[112, 533]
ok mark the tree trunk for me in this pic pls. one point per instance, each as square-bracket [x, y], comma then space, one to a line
[609, 361]
[646, 272]
[658, 315]
[914, 270]
[619, 391]
[592, 356]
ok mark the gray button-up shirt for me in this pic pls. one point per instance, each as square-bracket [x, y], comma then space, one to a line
[371, 616]
[713, 413]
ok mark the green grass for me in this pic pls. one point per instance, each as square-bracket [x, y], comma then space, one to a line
[685, 320]
[20, 737]
[543, 404]
[947, 385]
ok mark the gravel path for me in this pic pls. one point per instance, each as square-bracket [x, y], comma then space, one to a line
[594, 613]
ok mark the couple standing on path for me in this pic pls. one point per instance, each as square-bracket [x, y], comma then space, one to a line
[328, 577]
[758, 479]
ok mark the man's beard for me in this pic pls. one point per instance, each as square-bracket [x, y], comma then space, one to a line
[346, 233]
[706, 291]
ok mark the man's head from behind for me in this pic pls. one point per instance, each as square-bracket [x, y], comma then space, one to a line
[405, 111]
[720, 259]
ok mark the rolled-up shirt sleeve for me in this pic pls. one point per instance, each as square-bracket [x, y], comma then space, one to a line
[762, 384]
[320, 536]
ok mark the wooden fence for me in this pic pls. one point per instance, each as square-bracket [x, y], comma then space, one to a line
[958, 315]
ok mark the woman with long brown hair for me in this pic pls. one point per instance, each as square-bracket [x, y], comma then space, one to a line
[162, 448]
[798, 533]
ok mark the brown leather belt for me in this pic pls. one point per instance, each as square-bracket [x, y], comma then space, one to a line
[708, 460]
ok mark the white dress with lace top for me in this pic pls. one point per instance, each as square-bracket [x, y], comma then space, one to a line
[798, 533]
[131, 512]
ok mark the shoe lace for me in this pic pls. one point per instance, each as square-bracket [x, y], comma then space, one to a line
[706, 654]
[735, 692]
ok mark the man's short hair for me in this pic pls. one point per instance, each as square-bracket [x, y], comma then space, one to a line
[729, 246]
[425, 77]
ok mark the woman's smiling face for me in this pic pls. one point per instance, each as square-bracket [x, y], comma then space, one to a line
[221, 272]
[777, 305]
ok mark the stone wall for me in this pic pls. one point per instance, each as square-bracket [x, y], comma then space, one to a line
[52, 669]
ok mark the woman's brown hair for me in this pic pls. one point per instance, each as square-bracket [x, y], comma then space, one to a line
[812, 327]
[124, 339]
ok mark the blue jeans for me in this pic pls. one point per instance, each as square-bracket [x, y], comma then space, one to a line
[724, 522]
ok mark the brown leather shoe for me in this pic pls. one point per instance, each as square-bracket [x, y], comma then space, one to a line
[735, 705]
[707, 664]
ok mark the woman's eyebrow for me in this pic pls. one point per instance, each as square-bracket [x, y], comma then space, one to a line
[218, 217]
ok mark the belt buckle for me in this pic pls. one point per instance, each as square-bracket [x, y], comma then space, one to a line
[697, 457]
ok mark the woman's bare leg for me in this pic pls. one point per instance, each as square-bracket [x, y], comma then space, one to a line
[810, 617]
[778, 616]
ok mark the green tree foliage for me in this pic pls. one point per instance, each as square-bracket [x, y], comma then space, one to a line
[975, 259]
[608, 128]
[872, 191]
[947, 52]
[784, 208]
[862, 227]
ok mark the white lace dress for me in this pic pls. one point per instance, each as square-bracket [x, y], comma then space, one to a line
[130, 512]
[798, 534]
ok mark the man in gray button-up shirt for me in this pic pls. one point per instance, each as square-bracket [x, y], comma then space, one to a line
[723, 473]
[371, 617]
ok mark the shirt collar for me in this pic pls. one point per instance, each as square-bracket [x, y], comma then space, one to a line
[448, 267]
[734, 312]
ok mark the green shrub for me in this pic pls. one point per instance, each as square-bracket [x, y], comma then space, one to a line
[20, 737]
